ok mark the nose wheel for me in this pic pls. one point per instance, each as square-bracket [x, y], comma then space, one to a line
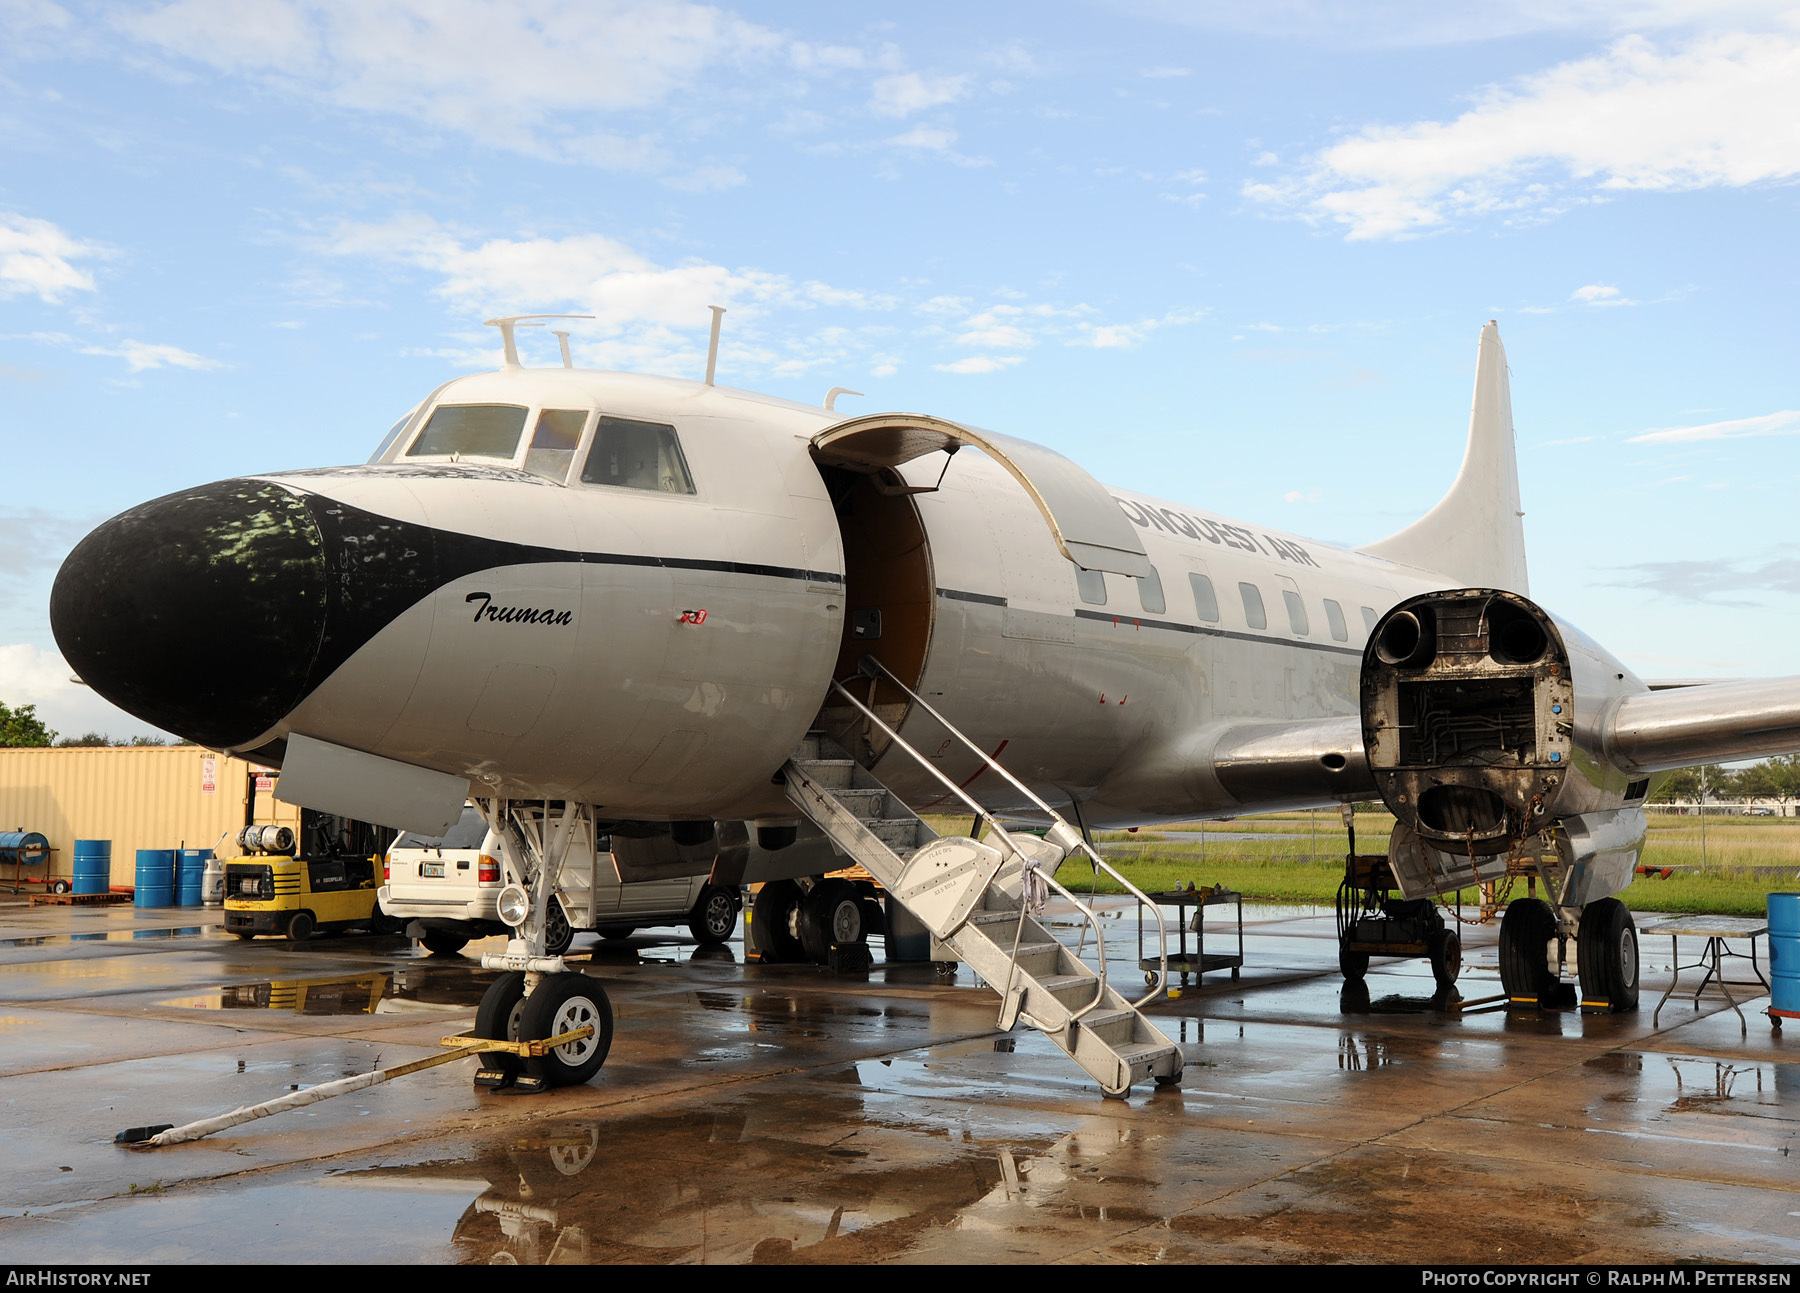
[571, 1007]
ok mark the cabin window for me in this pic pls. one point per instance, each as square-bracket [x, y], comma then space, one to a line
[1369, 618]
[471, 431]
[1254, 615]
[1206, 601]
[1334, 618]
[553, 443]
[1150, 593]
[1092, 586]
[1296, 610]
[637, 455]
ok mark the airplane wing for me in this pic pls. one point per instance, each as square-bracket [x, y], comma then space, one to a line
[1658, 731]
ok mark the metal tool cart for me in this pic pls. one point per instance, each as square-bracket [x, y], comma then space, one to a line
[1199, 961]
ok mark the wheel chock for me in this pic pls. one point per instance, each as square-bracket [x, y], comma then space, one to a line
[1596, 1007]
[137, 1135]
[493, 1079]
[527, 1083]
[849, 958]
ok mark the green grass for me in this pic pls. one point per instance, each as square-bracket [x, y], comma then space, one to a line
[1307, 868]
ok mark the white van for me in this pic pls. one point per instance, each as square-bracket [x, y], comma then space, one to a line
[448, 890]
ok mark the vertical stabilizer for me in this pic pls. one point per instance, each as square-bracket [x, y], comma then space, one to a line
[1474, 535]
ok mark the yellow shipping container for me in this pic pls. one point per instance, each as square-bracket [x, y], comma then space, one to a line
[139, 797]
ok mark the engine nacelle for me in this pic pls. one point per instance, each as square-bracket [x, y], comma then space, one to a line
[1482, 717]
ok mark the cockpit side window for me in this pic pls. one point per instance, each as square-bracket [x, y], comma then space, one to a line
[637, 455]
[387, 441]
[553, 443]
[471, 431]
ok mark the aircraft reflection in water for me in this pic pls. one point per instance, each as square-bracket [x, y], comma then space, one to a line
[746, 636]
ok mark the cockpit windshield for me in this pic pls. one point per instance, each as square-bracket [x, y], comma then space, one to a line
[471, 431]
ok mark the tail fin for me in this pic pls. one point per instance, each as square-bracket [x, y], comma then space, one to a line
[1474, 534]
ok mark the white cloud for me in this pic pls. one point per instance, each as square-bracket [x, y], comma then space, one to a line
[1430, 22]
[707, 179]
[1786, 422]
[138, 355]
[1164, 73]
[978, 364]
[910, 92]
[36, 259]
[142, 355]
[1600, 294]
[498, 70]
[33, 676]
[1717, 111]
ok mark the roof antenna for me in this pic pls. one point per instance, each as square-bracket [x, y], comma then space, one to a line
[562, 339]
[832, 394]
[712, 348]
[511, 321]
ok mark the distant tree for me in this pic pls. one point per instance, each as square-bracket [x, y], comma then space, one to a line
[22, 727]
[1753, 782]
[1683, 786]
[84, 740]
[1777, 778]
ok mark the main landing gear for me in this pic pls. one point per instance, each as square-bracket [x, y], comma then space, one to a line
[795, 922]
[1606, 955]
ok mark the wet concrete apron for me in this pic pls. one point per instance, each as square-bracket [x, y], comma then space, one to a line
[777, 1114]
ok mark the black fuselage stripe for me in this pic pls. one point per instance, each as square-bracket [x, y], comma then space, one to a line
[988, 599]
[957, 594]
[1203, 631]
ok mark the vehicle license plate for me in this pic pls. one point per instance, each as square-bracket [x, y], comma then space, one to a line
[431, 870]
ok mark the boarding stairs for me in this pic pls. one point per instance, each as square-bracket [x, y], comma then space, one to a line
[982, 897]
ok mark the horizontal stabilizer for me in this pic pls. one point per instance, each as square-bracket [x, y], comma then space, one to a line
[1659, 730]
[1475, 535]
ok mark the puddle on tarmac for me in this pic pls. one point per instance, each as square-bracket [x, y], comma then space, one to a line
[803, 1176]
[116, 936]
[405, 991]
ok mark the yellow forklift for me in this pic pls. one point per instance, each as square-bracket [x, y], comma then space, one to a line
[324, 877]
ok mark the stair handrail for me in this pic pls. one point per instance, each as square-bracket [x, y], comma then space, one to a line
[995, 825]
[871, 667]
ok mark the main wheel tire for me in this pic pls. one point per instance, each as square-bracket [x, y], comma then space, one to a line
[613, 933]
[300, 927]
[561, 1004]
[559, 934]
[773, 904]
[831, 916]
[1525, 935]
[1445, 948]
[498, 1017]
[1607, 954]
[441, 942]
[1354, 964]
[715, 915]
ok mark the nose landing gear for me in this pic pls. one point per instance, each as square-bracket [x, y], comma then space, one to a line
[558, 1035]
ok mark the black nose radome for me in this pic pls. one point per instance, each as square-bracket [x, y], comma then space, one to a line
[201, 612]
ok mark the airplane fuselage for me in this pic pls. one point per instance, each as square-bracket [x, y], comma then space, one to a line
[661, 652]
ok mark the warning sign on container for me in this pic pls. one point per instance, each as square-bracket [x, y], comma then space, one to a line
[209, 776]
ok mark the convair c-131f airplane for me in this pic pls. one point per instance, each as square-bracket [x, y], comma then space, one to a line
[754, 638]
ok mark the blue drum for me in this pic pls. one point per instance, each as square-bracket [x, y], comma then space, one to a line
[1784, 951]
[155, 878]
[190, 876]
[93, 866]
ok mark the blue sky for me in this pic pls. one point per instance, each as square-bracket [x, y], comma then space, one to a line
[1234, 254]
